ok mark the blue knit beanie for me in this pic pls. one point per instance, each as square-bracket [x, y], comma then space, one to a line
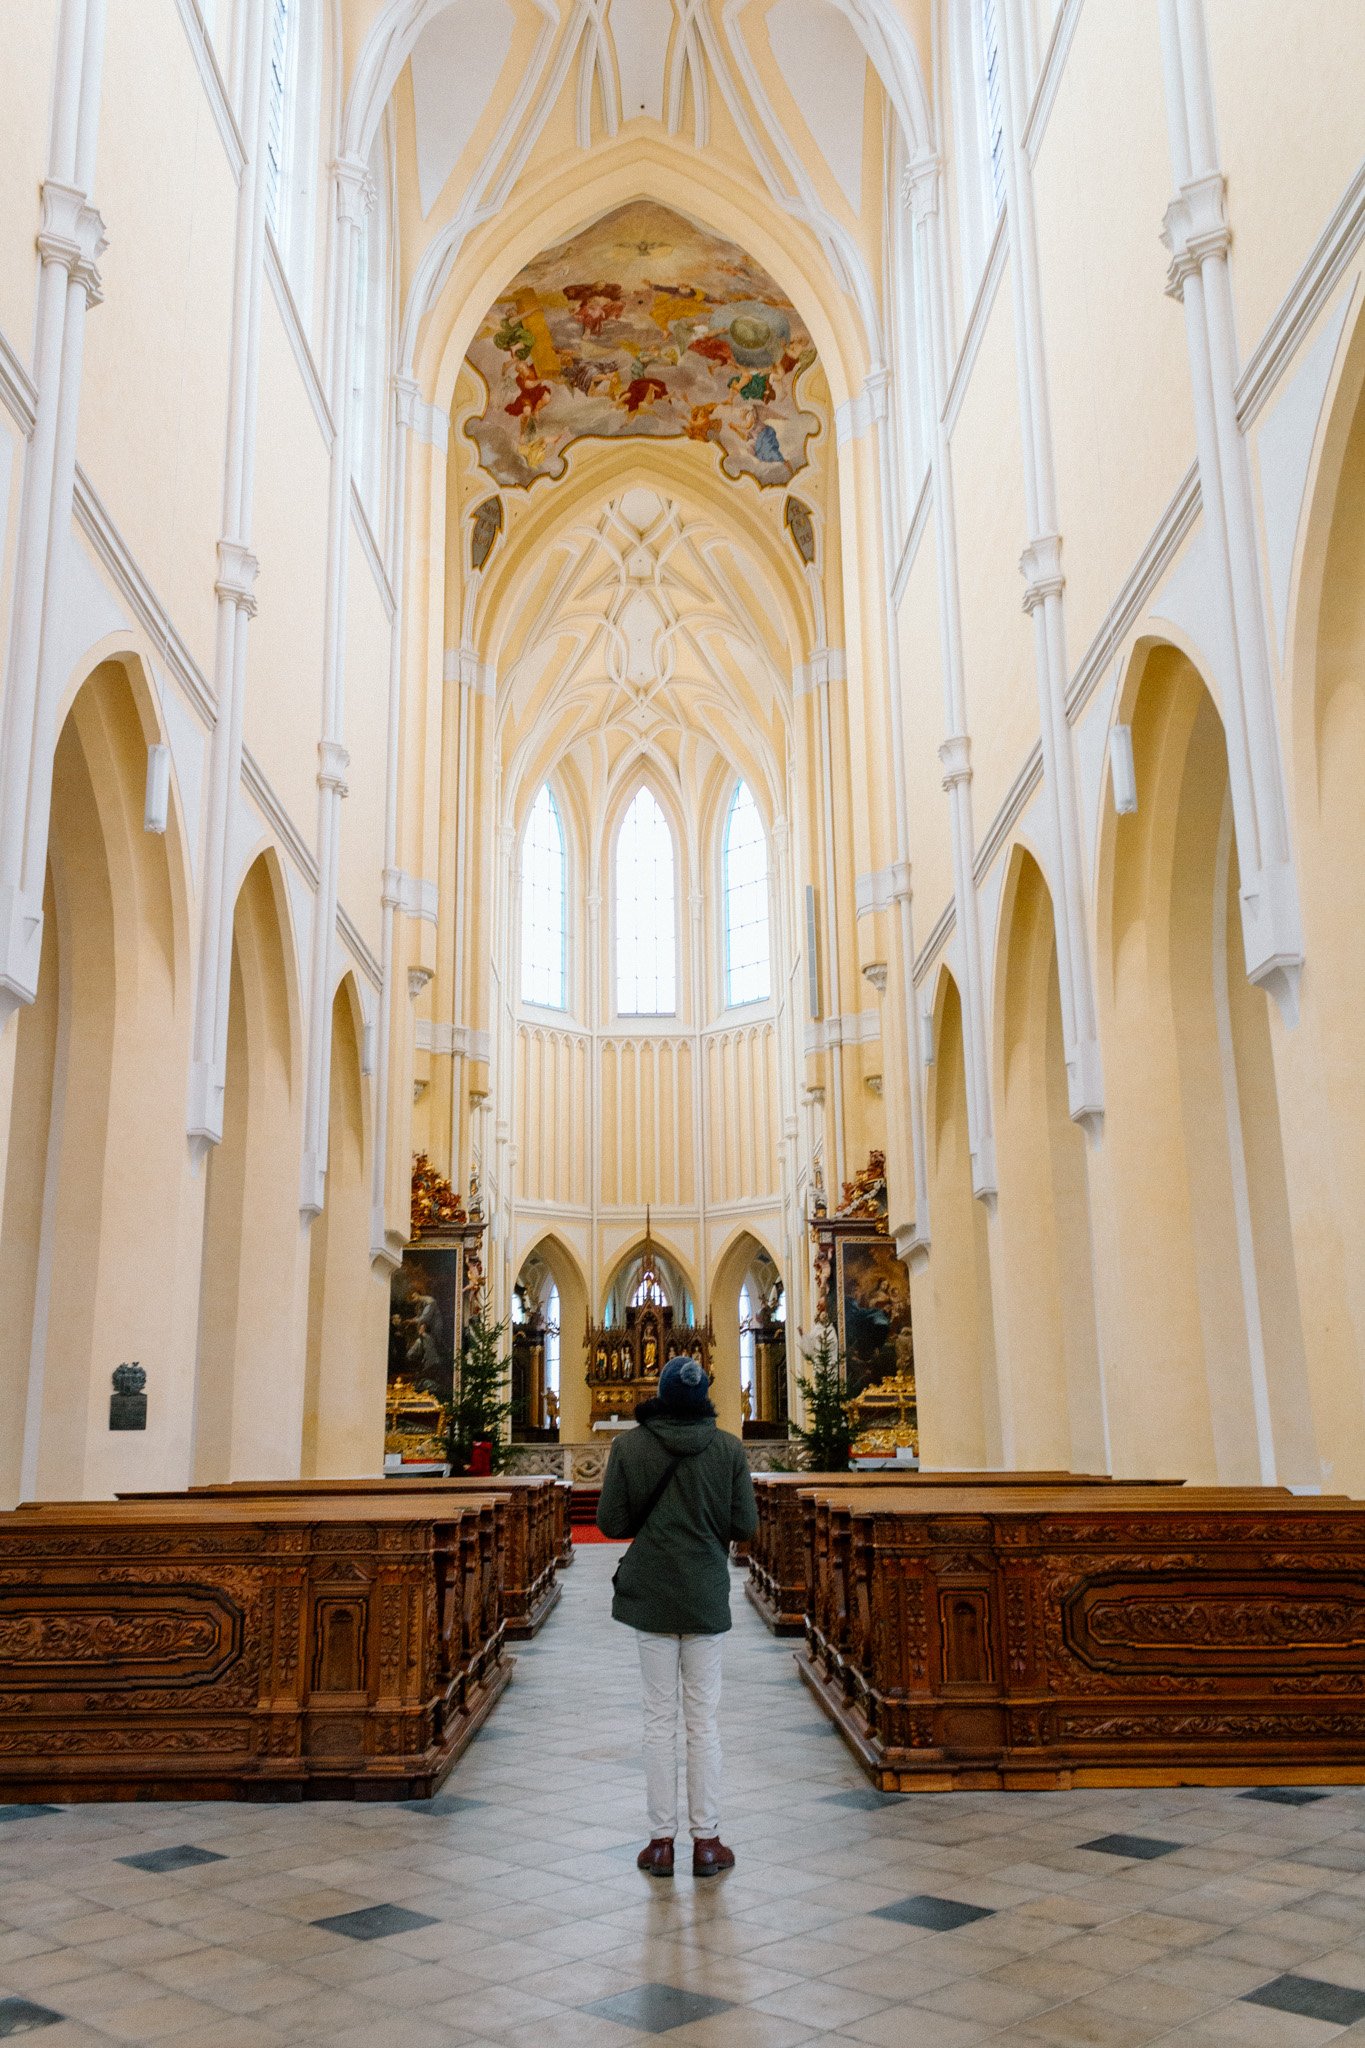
[683, 1384]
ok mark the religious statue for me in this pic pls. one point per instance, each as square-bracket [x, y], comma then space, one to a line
[651, 1352]
[746, 1402]
[552, 1407]
[601, 1361]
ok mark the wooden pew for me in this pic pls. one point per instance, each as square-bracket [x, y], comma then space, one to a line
[1035, 1638]
[779, 1582]
[216, 1648]
[537, 1518]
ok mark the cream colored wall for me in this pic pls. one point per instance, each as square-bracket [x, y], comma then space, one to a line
[30, 41]
[1123, 423]
[1218, 1172]
[1289, 137]
[284, 694]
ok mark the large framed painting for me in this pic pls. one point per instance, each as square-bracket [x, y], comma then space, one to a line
[431, 1295]
[873, 1302]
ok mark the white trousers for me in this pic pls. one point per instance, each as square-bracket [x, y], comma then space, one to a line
[689, 1666]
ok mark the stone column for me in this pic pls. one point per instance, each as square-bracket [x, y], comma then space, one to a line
[354, 199]
[955, 753]
[70, 241]
[1044, 592]
[234, 588]
[1197, 233]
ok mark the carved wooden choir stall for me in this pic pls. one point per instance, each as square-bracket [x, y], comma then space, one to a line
[1034, 1636]
[538, 1540]
[246, 1648]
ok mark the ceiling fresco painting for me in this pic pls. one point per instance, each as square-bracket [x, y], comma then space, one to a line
[647, 325]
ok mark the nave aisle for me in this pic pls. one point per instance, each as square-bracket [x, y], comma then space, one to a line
[508, 1910]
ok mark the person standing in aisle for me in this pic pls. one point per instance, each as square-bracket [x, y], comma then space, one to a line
[679, 1487]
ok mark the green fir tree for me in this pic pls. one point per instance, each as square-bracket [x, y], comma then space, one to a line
[828, 1434]
[479, 1413]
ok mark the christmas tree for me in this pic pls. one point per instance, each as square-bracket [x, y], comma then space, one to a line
[479, 1413]
[828, 1434]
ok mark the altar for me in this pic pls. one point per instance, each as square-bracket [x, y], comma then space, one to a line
[624, 1360]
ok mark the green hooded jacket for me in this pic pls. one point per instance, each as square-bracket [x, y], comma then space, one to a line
[675, 1578]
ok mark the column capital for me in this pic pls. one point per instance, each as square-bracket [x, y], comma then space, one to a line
[919, 186]
[71, 232]
[875, 972]
[237, 572]
[1040, 565]
[1195, 227]
[355, 189]
[418, 977]
[902, 889]
[334, 761]
[956, 756]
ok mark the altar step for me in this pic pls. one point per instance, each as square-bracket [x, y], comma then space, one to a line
[583, 1507]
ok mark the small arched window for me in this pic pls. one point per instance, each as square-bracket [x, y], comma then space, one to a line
[542, 905]
[747, 1348]
[552, 1341]
[646, 913]
[283, 35]
[748, 977]
[993, 105]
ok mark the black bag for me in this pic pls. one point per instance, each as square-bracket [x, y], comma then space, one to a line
[675, 1459]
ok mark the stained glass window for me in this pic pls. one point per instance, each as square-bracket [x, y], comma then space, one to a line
[542, 905]
[747, 973]
[646, 913]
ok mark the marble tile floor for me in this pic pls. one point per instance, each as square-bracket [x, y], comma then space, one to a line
[508, 1910]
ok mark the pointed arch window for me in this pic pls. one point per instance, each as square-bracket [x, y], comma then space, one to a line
[748, 974]
[993, 96]
[646, 912]
[279, 51]
[552, 1340]
[543, 893]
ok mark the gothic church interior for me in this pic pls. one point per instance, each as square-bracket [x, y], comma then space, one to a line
[728, 622]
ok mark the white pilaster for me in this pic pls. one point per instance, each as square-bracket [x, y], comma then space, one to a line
[1197, 233]
[234, 587]
[955, 753]
[354, 191]
[70, 240]
[1044, 590]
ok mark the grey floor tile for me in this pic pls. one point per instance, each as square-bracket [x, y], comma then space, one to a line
[20, 2016]
[922, 1909]
[1138, 1848]
[183, 1857]
[1284, 1795]
[372, 1923]
[658, 2008]
[1312, 1999]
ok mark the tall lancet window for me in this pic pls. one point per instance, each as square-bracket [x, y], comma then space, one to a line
[542, 905]
[993, 94]
[279, 51]
[646, 913]
[748, 976]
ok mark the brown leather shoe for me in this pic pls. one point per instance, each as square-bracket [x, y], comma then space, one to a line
[657, 1859]
[709, 1858]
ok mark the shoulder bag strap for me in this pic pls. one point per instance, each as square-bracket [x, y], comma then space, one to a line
[675, 1459]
